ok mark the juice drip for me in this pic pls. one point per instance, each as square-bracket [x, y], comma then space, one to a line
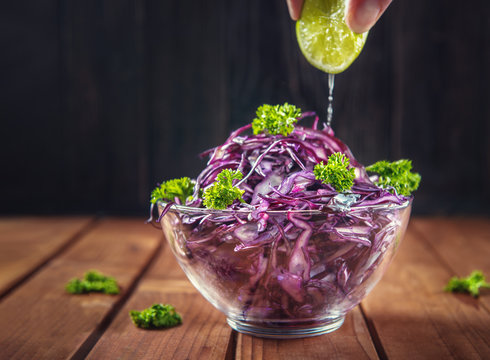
[331, 78]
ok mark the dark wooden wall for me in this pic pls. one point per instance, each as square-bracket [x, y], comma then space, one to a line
[100, 100]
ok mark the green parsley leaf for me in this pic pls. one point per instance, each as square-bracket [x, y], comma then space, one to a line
[470, 284]
[93, 281]
[155, 317]
[169, 190]
[397, 175]
[222, 193]
[276, 119]
[336, 172]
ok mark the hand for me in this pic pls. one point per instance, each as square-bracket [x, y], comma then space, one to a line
[360, 15]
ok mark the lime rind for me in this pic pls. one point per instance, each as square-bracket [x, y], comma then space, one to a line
[325, 39]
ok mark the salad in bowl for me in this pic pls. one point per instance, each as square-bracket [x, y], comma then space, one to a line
[284, 231]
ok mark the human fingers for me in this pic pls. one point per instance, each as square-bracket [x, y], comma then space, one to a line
[294, 7]
[361, 15]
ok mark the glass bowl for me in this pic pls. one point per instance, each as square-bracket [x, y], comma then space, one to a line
[285, 274]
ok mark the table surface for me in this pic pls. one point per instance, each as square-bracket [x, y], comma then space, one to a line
[406, 316]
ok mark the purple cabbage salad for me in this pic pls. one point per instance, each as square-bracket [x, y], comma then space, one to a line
[291, 246]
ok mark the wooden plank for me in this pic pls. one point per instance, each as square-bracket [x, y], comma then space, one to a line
[414, 318]
[204, 333]
[31, 140]
[103, 98]
[175, 32]
[28, 242]
[351, 341]
[40, 321]
[153, 83]
[463, 244]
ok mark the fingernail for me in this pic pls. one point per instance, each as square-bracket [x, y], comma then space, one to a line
[364, 17]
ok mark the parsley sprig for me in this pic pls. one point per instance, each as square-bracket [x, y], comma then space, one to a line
[93, 281]
[336, 172]
[155, 317]
[396, 175]
[470, 284]
[275, 119]
[170, 190]
[222, 193]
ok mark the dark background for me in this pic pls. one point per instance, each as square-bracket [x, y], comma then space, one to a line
[100, 100]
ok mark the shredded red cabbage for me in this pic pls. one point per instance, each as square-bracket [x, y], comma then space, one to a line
[318, 255]
[278, 170]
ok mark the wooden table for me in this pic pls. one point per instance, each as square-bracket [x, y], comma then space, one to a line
[407, 316]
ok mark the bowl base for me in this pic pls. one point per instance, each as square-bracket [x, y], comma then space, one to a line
[287, 331]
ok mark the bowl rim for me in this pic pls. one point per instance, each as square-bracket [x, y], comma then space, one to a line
[327, 210]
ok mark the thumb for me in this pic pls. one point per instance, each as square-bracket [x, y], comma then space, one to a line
[361, 15]
[294, 7]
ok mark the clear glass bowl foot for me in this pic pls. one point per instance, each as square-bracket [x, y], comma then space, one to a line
[286, 330]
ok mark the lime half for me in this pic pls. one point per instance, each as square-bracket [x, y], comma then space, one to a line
[324, 38]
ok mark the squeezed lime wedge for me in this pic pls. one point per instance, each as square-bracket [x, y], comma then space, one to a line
[325, 39]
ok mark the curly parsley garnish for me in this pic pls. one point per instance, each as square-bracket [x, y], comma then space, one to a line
[396, 175]
[470, 284]
[336, 172]
[276, 119]
[173, 189]
[222, 193]
[155, 317]
[93, 281]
